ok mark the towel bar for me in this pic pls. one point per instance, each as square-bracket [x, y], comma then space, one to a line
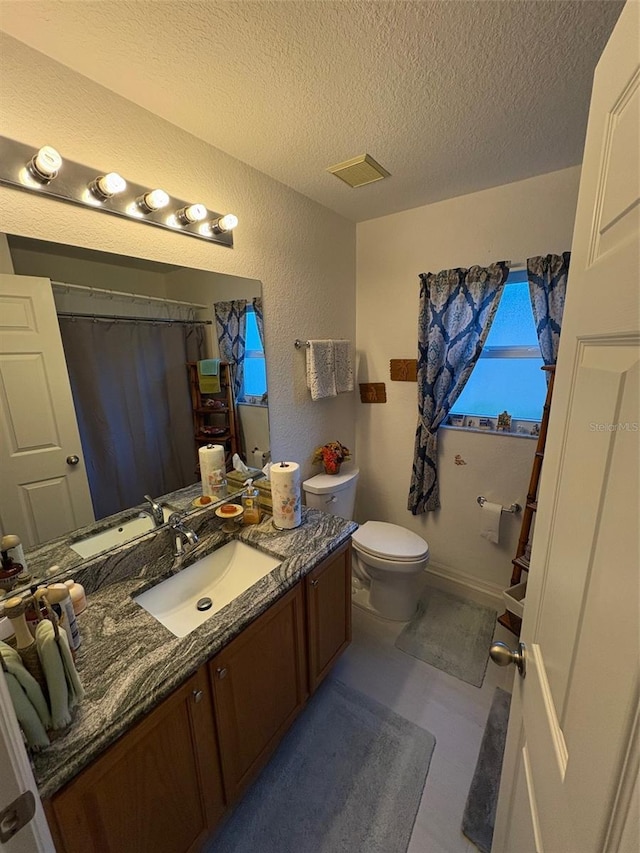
[514, 508]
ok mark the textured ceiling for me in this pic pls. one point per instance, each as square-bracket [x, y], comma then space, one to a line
[451, 97]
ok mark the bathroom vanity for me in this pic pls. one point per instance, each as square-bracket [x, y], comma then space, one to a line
[173, 730]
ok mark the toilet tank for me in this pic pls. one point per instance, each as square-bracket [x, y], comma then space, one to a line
[334, 493]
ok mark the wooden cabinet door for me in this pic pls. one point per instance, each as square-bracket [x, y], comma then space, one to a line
[328, 613]
[259, 687]
[158, 789]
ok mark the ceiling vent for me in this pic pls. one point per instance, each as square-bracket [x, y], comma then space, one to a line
[359, 171]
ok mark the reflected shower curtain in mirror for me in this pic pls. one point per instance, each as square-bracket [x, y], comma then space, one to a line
[231, 323]
[457, 308]
[131, 395]
[547, 291]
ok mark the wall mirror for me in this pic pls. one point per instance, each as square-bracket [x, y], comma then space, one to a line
[128, 327]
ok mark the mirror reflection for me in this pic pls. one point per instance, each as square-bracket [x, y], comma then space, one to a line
[113, 372]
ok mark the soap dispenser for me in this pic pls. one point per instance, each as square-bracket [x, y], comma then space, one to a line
[250, 506]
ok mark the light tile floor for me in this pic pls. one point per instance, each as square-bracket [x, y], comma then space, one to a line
[453, 711]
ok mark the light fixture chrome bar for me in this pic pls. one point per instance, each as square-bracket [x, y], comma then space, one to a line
[72, 184]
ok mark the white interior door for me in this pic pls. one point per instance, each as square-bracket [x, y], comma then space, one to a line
[42, 495]
[15, 779]
[570, 776]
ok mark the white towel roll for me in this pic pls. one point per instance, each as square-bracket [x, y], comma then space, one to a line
[490, 521]
[213, 470]
[285, 492]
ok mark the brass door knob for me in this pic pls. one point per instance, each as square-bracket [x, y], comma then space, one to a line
[73, 460]
[501, 654]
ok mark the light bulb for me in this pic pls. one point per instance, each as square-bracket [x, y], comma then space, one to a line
[224, 224]
[153, 200]
[108, 185]
[45, 164]
[192, 213]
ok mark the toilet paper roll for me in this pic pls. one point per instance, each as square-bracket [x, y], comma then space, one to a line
[490, 521]
[285, 491]
[213, 470]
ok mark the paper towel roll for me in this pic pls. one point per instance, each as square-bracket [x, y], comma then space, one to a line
[213, 470]
[490, 521]
[285, 491]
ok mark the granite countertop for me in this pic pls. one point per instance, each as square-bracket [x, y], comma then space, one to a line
[129, 662]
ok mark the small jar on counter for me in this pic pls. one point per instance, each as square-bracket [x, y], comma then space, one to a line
[250, 504]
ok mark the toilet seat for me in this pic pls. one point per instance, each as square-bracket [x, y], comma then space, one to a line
[389, 542]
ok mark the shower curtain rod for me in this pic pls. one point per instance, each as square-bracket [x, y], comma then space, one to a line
[123, 294]
[119, 318]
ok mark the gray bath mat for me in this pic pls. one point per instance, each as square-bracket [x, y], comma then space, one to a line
[452, 634]
[480, 811]
[347, 778]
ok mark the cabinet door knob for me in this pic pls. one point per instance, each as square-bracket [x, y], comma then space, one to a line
[197, 696]
[314, 583]
[221, 672]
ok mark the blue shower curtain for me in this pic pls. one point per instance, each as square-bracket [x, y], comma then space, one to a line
[457, 308]
[547, 290]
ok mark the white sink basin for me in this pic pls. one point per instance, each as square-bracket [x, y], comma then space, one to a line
[117, 535]
[220, 576]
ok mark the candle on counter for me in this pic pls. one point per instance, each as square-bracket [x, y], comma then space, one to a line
[213, 471]
[285, 492]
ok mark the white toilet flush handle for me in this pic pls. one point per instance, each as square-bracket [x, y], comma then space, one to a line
[331, 500]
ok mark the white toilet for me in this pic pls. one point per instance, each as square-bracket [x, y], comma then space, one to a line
[387, 559]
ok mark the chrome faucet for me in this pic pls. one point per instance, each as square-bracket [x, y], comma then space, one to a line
[156, 511]
[184, 540]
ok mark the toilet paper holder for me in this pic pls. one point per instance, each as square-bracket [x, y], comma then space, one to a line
[514, 508]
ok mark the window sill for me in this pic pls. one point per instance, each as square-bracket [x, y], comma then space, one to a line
[489, 431]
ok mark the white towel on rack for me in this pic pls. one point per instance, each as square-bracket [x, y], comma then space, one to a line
[321, 374]
[343, 366]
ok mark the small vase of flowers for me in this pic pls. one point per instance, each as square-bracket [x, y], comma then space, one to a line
[332, 455]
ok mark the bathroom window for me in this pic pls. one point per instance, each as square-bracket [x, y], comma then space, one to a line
[255, 372]
[507, 375]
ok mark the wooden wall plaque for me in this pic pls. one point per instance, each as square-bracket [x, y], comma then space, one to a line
[403, 369]
[373, 392]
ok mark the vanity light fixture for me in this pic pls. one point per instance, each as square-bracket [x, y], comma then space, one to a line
[224, 224]
[153, 200]
[31, 169]
[45, 164]
[192, 213]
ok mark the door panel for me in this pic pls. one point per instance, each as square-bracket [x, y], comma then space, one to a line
[259, 687]
[572, 744]
[42, 496]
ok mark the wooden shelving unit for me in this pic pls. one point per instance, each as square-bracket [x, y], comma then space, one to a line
[214, 415]
[521, 560]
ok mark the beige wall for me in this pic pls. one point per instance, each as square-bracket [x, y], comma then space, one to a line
[306, 262]
[511, 222]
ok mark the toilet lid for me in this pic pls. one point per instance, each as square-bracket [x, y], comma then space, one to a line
[390, 540]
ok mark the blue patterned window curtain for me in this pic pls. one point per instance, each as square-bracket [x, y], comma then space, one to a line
[457, 308]
[547, 290]
[257, 310]
[231, 323]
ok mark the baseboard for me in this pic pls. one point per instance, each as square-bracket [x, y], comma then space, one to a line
[459, 583]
